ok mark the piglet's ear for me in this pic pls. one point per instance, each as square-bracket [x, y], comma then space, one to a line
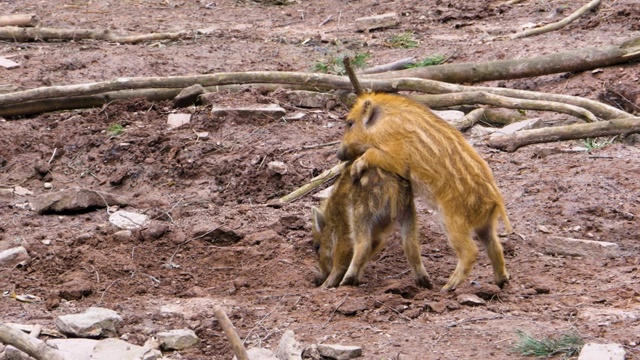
[317, 218]
[370, 113]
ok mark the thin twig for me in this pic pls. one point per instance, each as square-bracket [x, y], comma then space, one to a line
[559, 24]
[326, 20]
[333, 313]
[52, 155]
[107, 289]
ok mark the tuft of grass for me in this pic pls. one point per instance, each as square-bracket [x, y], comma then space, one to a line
[115, 129]
[402, 41]
[333, 64]
[597, 143]
[435, 59]
[568, 344]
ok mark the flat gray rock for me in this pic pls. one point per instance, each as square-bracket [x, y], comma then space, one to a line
[177, 339]
[339, 352]
[111, 349]
[74, 200]
[94, 322]
[75, 349]
[11, 257]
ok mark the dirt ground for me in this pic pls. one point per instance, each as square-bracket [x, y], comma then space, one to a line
[259, 262]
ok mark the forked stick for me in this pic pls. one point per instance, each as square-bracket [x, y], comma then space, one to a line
[352, 76]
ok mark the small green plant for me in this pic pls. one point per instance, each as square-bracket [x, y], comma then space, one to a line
[115, 129]
[402, 41]
[567, 344]
[333, 64]
[435, 59]
[597, 143]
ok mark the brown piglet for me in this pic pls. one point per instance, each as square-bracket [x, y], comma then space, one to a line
[401, 136]
[350, 227]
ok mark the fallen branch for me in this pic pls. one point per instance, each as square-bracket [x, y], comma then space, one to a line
[19, 20]
[480, 97]
[522, 138]
[469, 120]
[559, 24]
[17, 34]
[567, 61]
[396, 65]
[314, 183]
[37, 349]
[232, 335]
[43, 99]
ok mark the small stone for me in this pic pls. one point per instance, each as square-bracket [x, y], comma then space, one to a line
[122, 235]
[128, 220]
[202, 135]
[188, 96]
[339, 352]
[48, 185]
[14, 256]
[94, 322]
[593, 351]
[176, 120]
[377, 21]
[288, 348]
[278, 167]
[21, 191]
[8, 64]
[470, 300]
[178, 339]
[557, 245]
[543, 229]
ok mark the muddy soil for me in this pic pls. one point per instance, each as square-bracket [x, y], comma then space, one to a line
[214, 239]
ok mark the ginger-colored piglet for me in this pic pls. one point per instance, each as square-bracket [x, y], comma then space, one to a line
[403, 137]
[349, 228]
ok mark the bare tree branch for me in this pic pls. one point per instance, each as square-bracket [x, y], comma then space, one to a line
[19, 20]
[560, 24]
[481, 97]
[13, 33]
[566, 61]
[37, 349]
[514, 141]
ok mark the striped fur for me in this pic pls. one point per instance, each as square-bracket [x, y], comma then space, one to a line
[404, 137]
[350, 226]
